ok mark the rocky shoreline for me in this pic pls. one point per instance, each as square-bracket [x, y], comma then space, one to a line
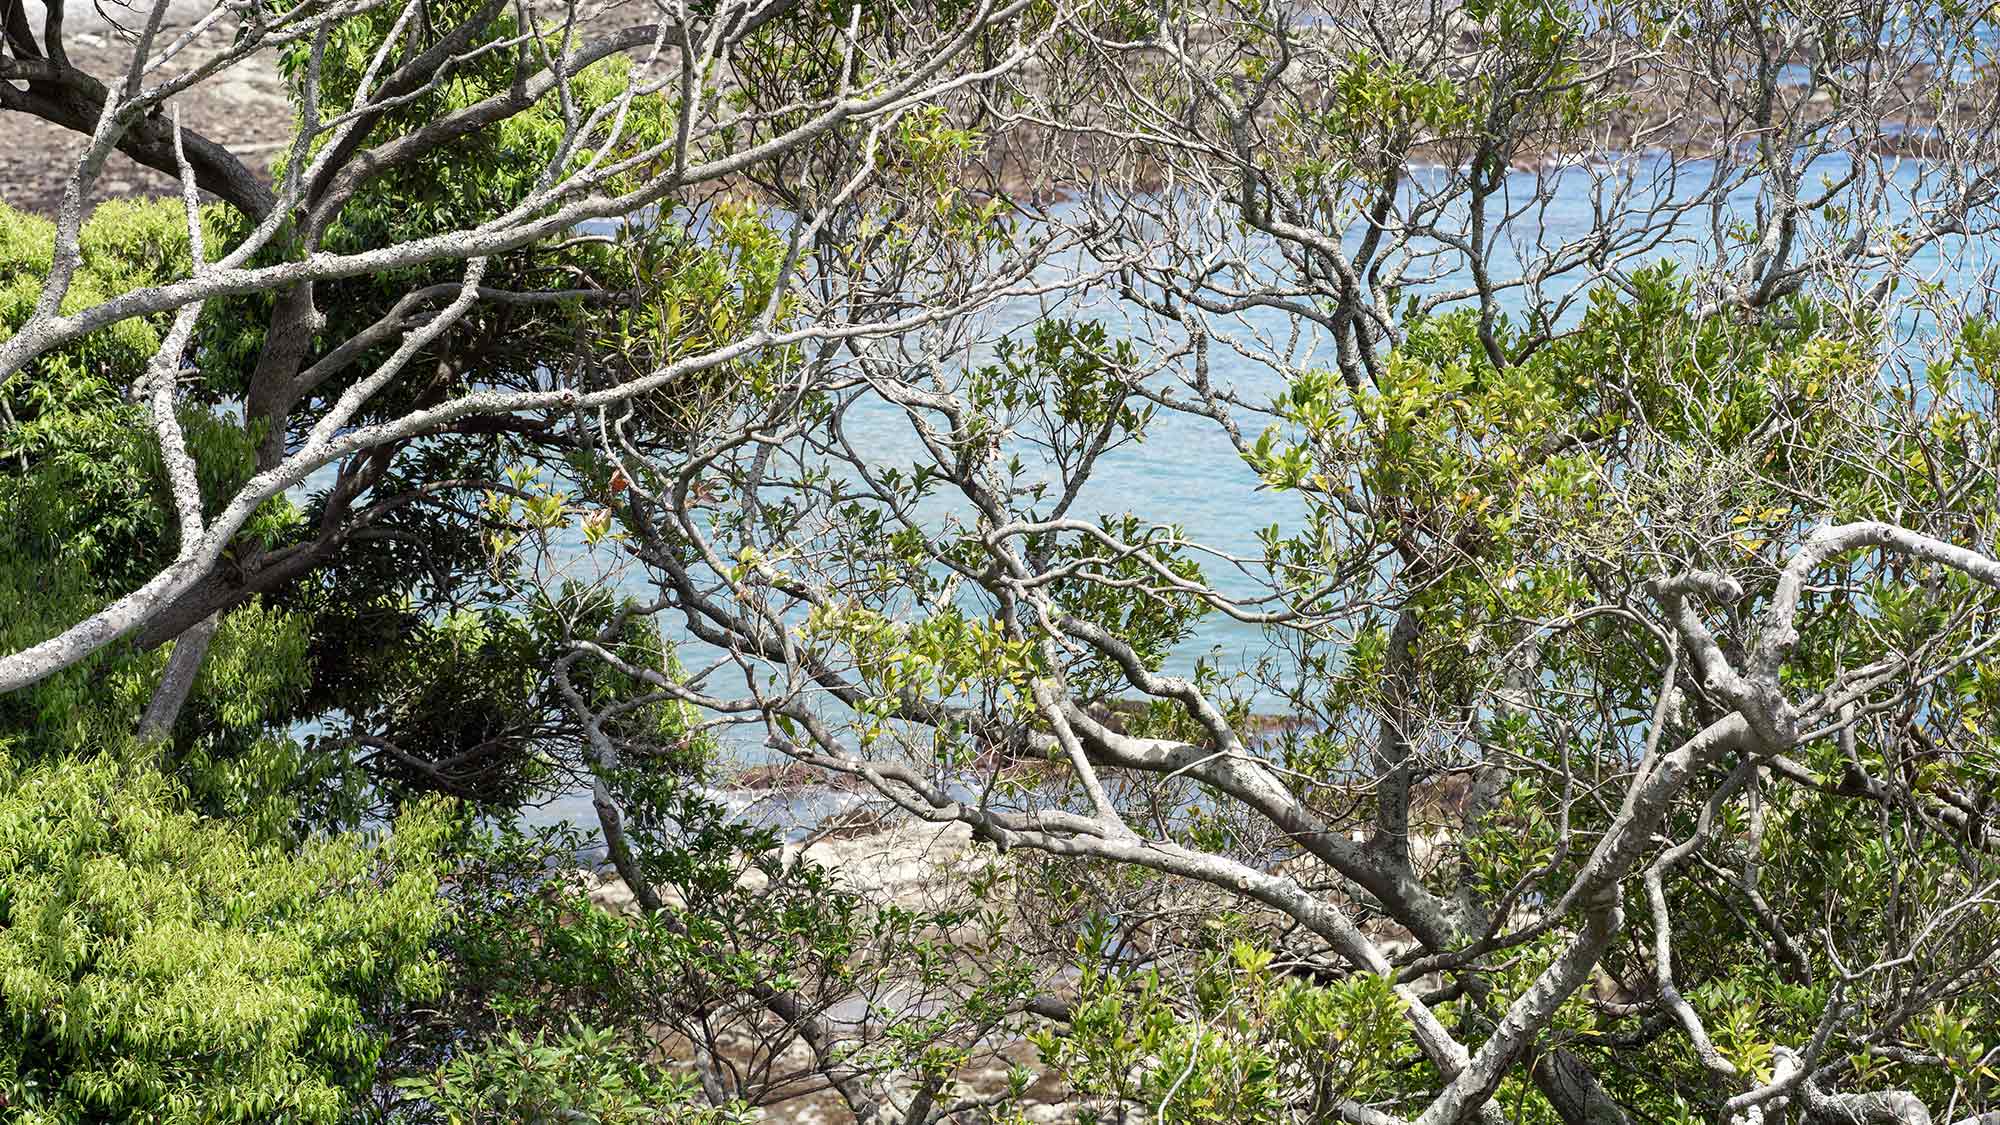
[906, 865]
[246, 109]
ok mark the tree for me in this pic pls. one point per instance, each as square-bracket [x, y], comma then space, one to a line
[405, 312]
[1622, 709]
[1613, 516]
[412, 303]
[293, 408]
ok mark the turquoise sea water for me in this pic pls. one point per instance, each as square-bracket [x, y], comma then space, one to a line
[1187, 473]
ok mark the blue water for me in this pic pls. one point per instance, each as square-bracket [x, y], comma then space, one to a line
[1186, 471]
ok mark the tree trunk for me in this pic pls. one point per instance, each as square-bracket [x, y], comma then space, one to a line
[171, 694]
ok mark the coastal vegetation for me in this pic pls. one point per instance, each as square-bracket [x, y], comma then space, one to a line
[1000, 561]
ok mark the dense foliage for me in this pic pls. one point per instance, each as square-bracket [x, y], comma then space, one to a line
[157, 965]
[1451, 577]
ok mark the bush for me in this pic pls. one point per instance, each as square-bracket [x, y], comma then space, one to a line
[155, 965]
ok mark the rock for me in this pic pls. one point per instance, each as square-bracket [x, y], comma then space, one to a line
[902, 864]
[106, 17]
[609, 893]
[911, 865]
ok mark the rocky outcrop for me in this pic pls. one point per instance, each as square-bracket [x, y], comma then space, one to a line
[907, 865]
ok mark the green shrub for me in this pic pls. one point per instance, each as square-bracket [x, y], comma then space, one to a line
[156, 965]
